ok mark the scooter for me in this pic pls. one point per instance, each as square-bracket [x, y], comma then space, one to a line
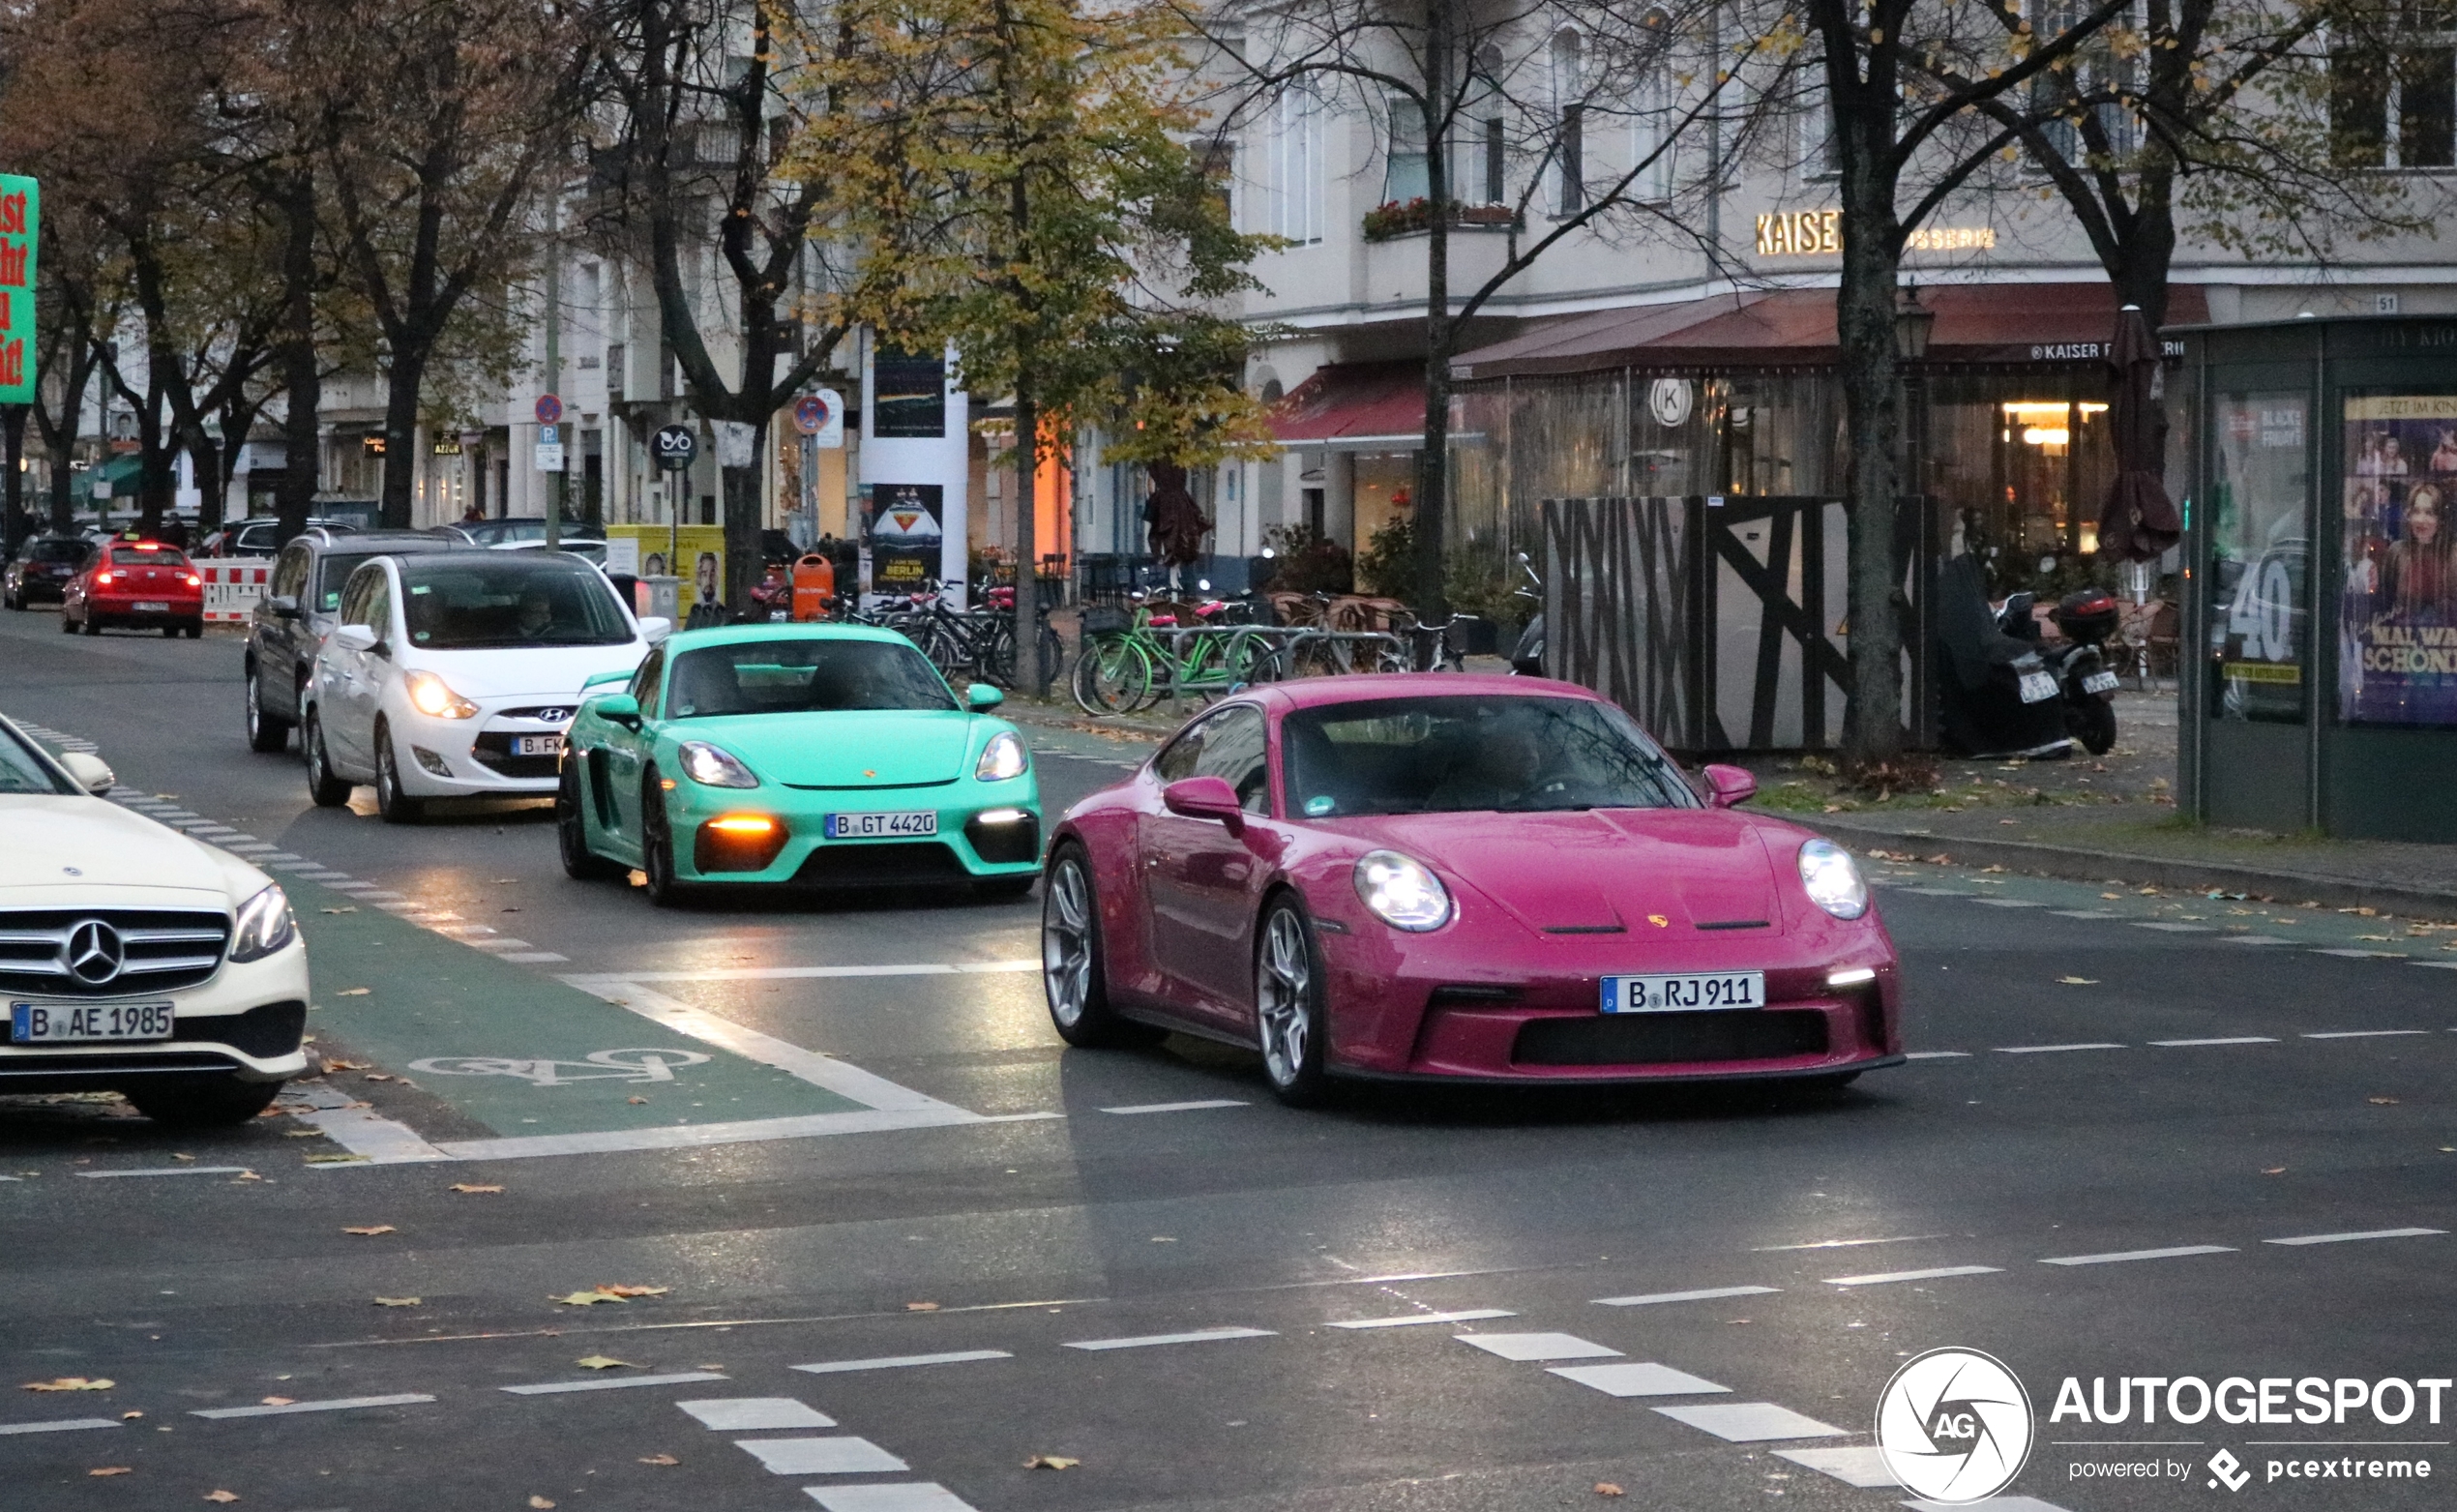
[1996, 696]
[1527, 658]
[2088, 616]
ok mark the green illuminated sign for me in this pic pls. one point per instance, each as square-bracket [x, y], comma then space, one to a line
[20, 233]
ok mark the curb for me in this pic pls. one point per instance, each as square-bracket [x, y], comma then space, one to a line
[2076, 864]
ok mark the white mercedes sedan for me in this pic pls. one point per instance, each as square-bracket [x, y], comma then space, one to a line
[454, 674]
[133, 958]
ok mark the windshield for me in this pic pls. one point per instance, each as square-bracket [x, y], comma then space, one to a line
[22, 771]
[1510, 753]
[147, 556]
[803, 677]
[57, 551]
[456, 604]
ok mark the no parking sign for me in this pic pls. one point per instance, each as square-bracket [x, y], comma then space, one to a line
[820, 416]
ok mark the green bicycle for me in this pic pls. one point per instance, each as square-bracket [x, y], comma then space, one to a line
[1128, 660]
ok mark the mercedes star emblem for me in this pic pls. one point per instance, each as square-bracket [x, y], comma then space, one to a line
[96, 953]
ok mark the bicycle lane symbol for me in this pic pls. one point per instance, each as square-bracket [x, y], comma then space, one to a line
[638, 1066]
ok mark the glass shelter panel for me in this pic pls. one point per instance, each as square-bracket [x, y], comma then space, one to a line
[2261, 551]
[2397, 613]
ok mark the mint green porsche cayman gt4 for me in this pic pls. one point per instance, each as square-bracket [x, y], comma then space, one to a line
[795, 756]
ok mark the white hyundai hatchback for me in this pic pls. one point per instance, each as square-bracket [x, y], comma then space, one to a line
[454, 674]
[133, 958]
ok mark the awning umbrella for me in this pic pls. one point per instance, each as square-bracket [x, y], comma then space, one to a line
[2139, 520]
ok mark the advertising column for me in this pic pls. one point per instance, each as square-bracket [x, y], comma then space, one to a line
[914, 466]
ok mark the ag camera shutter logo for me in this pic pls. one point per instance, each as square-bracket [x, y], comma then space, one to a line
[1954, 1426]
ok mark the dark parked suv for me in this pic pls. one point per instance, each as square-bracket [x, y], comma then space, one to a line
[41, 568]
[296, 611]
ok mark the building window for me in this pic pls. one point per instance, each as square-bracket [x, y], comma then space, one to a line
[2396, 107]
[1405, 174]
[1569, 148]
[1654, 124]
[1292, 166]
[1496, 164]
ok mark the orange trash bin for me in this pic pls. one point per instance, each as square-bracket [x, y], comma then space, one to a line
[813, 587]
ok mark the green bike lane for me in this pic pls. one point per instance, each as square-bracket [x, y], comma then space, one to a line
[524, 1063]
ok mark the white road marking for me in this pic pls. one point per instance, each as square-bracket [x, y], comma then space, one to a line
[692, 1135]
[2439, 965]
[356, 1127]
[2232, 1039]
[2062, 914]
[806, 973]
[2363, 1034]
[166, 1171]
[2350, 954]
[1147, 1341]
[754, 1414]
[2050, 1050]
[920, 1495]
[833, 1456]
[336, 1405]
[2348, 1238]
[1410, 1320]
[2255, 939]
[1992, 1504]
[546, 1388]
[464, 929]
[63, 1425]
[1750, 1422]
[1938, 1054]
[1179, 1107]
[1706, 1294]
[1935, 892]
[1638, 1381]
[1854, 1465]
[2011, 902]
[1537, 1346]
[1888, 1278]
[899, 1361]
[280, 855]
[256, 849]
[536, 958]
[498, 942]
[293, 866]
[2117, 1256]
[1842, 1244]
[2177, 929]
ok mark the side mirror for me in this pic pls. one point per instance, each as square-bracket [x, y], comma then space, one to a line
[1728, 786]
[282, 606]
[354, 638]
[91, 772]
[620, 708]
[981, 696]
[1206, 798]
[601, 679]
[656, 628]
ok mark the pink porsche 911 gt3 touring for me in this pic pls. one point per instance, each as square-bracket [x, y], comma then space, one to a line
[1466, 878]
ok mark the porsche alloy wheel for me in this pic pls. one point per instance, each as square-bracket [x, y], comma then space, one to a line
[1287, 1000]
[657, 845]
[1072, 974]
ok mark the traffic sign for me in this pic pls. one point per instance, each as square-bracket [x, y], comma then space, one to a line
[549, 409]
[810, 414]
[550, 457]
[820, 416]
[675, 447]
[550, 435]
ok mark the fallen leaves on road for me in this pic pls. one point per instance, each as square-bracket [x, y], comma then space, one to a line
[603, 1362]
[605, 1292]
[368, 1231]
[221, 1496]
[1051, 1462]
[112, 1469]
[331, 1158]
[2273, 1170]
[340, 911]
[377, 1076]
[2078, 981]
[278, 1402]
[2372, 936]
[658, 1458]
[305, 1134]
[540, 1502]
[2381, 1102]
[183, 1157]
[2110, 895]
[473, 1186]
[629, 1292]
[70, 1383]
[345, 1065]
[401, 1301]
[635, 1101]
[354, 992]
[921, 1307]
[583, 1299]
[130, 1417]
[1605, 1487]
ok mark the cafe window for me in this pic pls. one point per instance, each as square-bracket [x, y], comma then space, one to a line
[2259, 555]
[2026, 463]
[2397, 612]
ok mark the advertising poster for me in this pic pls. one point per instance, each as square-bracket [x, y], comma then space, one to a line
[2397, 617]
[20, 237]
[693, 553]
[902, 531]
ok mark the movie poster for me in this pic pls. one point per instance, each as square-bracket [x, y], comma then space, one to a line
[902, 528]
[2397, 617]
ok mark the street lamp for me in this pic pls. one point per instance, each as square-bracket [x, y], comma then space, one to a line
[1912, 323]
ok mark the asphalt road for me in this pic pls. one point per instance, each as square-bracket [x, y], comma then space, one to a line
[843, 1137]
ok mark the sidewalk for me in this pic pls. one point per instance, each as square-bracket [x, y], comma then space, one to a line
[2108, 818]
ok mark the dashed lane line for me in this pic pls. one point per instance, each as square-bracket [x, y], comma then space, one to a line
[2350, 1238]
[1180, 1108]
[1636, 1379]
[1750, 1422]
[291, 1409]
[1889, 1277]
[166, 1170]
[899, 1361]
[2051, 1049]
[358, 1129]
[2119, 1257]
[2363, 1034]
[1703, 1294]
[1151, 1341]
[904, 1497]
[61, 1425]
[1538, 1346]
[1473, 1314]
[841, 1454]
[1854, 1465]
[2231, 1039]
[754, 1414]
[814, 973]
[546, 1388]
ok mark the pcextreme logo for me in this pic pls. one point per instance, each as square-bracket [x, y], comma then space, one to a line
[1954, 1426]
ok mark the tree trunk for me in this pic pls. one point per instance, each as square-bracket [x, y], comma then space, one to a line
[1027, 544]
[741, 485]
[301, 383]
[1433, 461]
[1872, 395]
[401, 434]
[204, 460]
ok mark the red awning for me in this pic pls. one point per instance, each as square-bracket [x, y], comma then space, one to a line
[1795, 328]
[1355, 407]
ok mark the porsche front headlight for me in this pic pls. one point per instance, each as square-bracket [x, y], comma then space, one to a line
[1833, 880]
[262, 927]
[714, 766]
[1402, 893]
[1000, 759]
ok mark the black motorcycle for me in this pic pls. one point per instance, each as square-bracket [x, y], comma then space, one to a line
[2088, 617]
[1994, 695]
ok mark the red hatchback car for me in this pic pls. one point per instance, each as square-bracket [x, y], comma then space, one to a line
[142, 584]
[1472, 878]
